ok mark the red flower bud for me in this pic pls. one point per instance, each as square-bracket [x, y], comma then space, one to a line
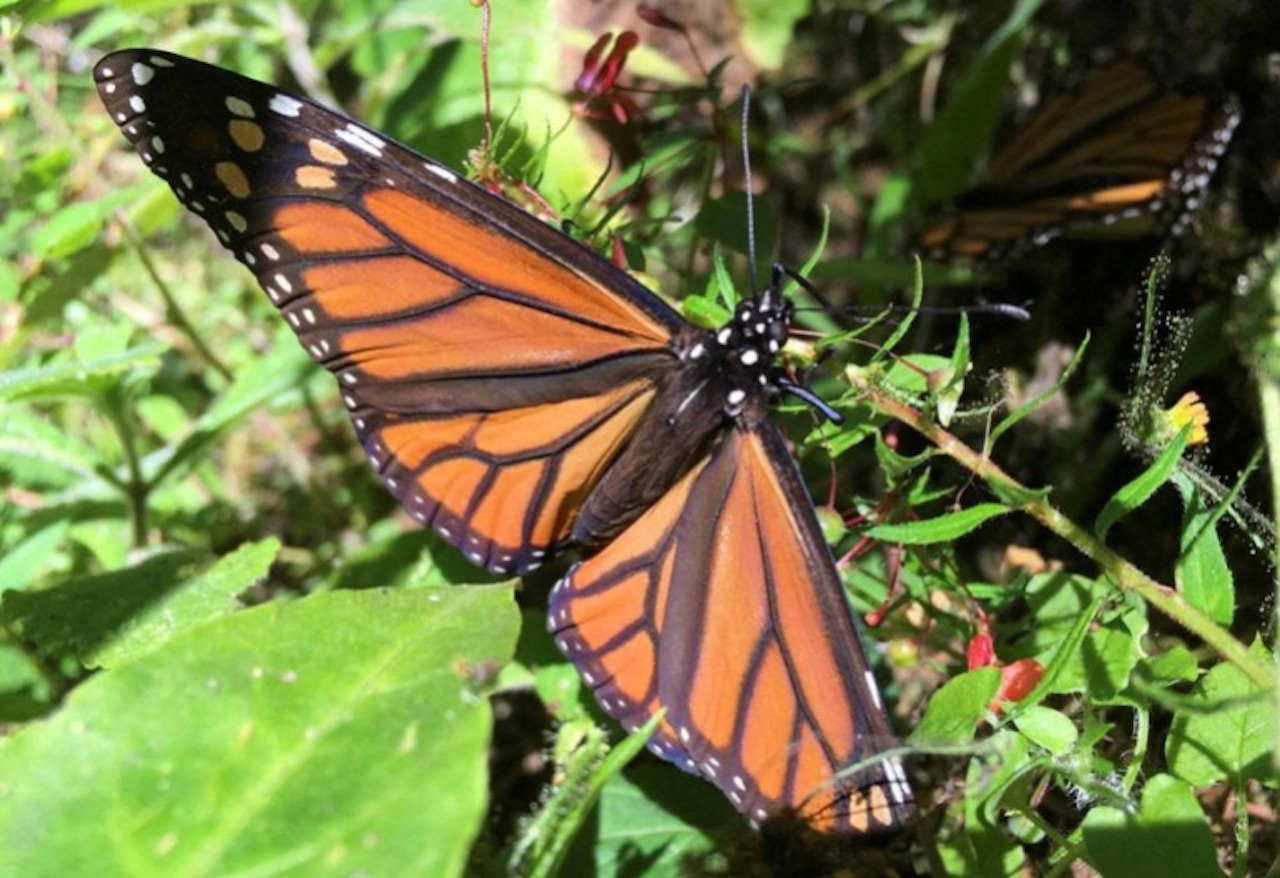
[1017, 679]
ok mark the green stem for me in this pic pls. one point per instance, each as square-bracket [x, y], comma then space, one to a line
[135, 487]
[1121, 572]
[173, 312]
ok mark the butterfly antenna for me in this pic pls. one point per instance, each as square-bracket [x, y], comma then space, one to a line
[751, 203]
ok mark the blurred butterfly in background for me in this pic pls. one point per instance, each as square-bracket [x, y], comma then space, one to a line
[519, 394]
[1119, 155]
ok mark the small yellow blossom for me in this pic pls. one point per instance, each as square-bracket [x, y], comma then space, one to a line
[1190, 410]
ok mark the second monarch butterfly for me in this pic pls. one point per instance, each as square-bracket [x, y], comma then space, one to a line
[518, 393]
[1121, 154]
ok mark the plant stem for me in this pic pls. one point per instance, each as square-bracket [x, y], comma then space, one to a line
[1121, 572]
[173, 311]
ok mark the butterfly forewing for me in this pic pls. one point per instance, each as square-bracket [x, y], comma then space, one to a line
[1121, 154]
[722, 605]
[492, 367]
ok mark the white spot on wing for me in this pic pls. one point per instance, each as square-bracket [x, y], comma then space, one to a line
[142, 73]
[285, 105]
[361, 139]
[442, 172]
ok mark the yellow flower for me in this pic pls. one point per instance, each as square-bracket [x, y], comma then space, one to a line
[1189, 410]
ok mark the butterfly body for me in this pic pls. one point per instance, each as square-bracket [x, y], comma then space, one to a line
[718, 378]
[520, 394]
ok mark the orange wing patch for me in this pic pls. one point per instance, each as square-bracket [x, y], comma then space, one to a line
[491, 259]
[503, 486]
[731, 608]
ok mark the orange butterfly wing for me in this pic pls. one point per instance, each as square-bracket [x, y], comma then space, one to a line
[516, 392]
[1120, 154]
[492, 367]
[722, 605]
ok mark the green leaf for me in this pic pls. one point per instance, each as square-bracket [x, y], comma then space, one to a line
[107, 619]
[1138, 491]
[213, 593]
[955, 710]
[336, 735]
[1167, 837]
[953, 144]
[585, 768]
[1089, 655]
[724, 220]
[946, 398]
[23, 560]
[1176, 664]
[767, 27]
[1202, 574]
[78, 379]
[1048, 728]
[70, 229]
[1224, 730]
[647, 823]
[985, 847]
[943, 529]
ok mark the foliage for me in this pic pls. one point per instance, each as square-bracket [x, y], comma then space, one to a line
[224, 652]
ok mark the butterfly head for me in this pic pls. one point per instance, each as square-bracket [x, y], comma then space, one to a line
[748, 344]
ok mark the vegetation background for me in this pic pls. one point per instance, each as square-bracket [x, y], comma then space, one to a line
[223, 651]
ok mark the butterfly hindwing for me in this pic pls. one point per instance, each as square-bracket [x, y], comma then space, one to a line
[491, 366]
[722, 606]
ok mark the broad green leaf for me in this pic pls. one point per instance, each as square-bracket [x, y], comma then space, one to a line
[943, 529]
[1168, 836]
[1224, 731]
[109, 618]
[336, 735]
[1048, 728]
[72, 228]
[1100, 654]
[955, 710]
[211, 593]
[1176, 664]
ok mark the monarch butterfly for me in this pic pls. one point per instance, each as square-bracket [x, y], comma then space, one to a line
[519, 393]
[1121, 154]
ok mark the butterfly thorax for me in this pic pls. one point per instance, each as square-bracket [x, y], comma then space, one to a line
[725, 375]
